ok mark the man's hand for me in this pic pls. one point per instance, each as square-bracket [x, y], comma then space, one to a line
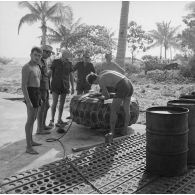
[72, 91]
[29, 104]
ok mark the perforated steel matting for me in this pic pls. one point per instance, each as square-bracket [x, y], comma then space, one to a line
[113, 168]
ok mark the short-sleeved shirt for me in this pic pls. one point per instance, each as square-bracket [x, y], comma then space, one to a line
[82, 72]
[60, 82]
[44, 82]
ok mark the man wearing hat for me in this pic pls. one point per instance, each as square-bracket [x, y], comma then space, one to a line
[83, 68]
[44, 89]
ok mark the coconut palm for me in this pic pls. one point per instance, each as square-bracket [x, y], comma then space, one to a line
[122, 40]
[43, 11]
[67, 34]
[164, 36]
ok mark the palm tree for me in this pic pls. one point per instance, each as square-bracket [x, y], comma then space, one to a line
[67, 34]
[164, 36]
[122, 40]
[43, 11]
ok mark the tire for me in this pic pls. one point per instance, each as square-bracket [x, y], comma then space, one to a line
[89, 110]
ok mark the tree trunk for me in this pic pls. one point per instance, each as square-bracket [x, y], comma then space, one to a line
[161, 52]
[122, 38]
[170, 53]
[132, 58]
[165, 52]
[44, 33]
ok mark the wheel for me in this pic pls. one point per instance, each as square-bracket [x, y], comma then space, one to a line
[90, 110]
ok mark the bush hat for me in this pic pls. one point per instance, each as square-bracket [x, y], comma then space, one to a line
[48, 48]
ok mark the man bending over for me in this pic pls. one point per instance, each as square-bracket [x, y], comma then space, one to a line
[124, 91]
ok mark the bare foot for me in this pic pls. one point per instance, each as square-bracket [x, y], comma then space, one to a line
[31, 151]
[36, 144]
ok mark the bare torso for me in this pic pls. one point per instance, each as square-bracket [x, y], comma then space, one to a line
[110, 78]
[34, 75]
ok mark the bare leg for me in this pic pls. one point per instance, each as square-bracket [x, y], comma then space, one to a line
[115, 106]
[61, 106]
[31, 115]
[33, 143]
[54, 104]
[126, 105]
[40, 115]
[46, 108]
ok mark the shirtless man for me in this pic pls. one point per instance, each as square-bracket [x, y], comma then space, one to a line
[124, 91]
[110, 65]
[31, 76]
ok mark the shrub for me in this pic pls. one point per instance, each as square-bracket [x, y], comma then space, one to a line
[191, 66]
[5, 61]
[165, 76]
[185, 71]
[132, 68]
[154, 63]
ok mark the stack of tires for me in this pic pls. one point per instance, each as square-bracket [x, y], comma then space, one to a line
[90, 110]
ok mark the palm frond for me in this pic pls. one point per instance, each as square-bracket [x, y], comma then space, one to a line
[52, 10]
[26, 4]
[28, 18]
[156, 44]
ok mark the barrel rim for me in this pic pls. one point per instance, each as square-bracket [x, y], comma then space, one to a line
[187, 102]
[191, 97]
[181, 110]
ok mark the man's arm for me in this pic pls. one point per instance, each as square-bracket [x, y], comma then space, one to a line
[119, 68]
[92, 68]
[25, 76]
[75, 67]
[104, 90]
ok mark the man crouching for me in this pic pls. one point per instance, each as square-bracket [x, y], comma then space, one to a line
[124, 91]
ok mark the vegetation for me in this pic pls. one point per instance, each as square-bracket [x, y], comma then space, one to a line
[165, 36]
[44, 11]
[122, 37]
[137, 39]
[5, 61]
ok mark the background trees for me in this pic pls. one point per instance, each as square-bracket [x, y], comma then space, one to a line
[43, 11]
[137, 39]
[164, 36]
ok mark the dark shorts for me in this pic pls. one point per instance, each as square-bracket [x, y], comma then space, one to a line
[35, 96]
[124, 88]
[44, 94]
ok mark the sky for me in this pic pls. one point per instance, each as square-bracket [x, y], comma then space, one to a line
[107, 13]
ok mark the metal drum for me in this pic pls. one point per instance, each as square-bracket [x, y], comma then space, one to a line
[191, 125]
[90, 110]
[187, 97]
[166, 140]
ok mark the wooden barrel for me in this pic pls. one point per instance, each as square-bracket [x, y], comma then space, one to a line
[91, 111]
[191, 125]
[166, 140]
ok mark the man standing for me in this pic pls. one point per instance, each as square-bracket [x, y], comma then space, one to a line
[83, 69]
[124, 91]
[31, 76]
[61, 71]
[44, 89]
[110, 65]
